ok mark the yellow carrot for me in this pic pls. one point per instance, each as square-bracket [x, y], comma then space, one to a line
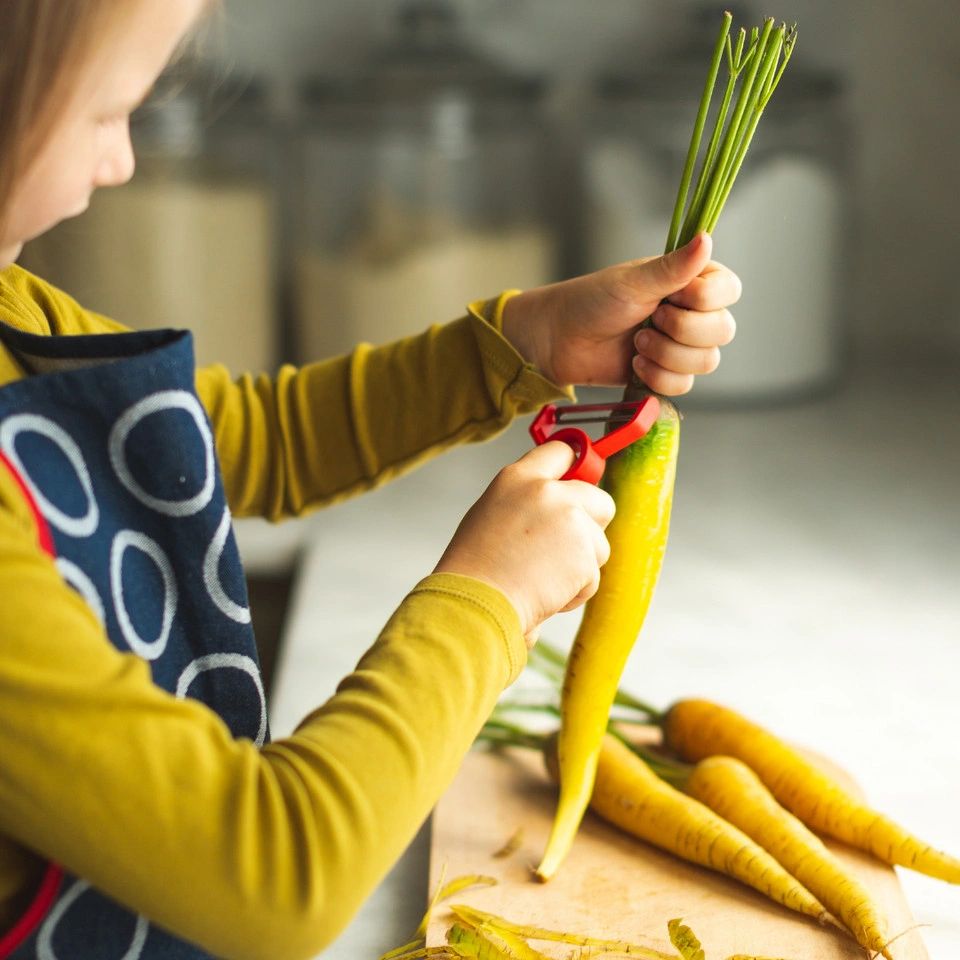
[628, 794]
[640, 479]
[730, 788]
[699, 728]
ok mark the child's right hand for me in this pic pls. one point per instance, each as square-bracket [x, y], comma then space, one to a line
[536, 538]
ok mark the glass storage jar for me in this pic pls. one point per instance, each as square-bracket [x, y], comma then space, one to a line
[189, 242]
[782, 229]
[419, 188]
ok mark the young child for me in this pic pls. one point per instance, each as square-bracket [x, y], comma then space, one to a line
[144, 812]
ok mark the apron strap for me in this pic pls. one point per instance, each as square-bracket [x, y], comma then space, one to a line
[49, 887]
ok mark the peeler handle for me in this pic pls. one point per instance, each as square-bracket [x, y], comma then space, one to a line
[591, 456]
[588, 465]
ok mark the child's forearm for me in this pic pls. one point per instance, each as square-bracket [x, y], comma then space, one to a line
[251, 853]
[312, 436]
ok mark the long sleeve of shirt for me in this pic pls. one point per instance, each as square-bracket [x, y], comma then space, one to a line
[255, 852]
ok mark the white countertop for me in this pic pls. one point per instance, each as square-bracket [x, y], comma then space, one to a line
[811, 582]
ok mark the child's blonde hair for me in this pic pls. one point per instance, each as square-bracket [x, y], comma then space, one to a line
[43, 44]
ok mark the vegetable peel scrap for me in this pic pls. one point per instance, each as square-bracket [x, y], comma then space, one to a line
[511, 846]
[684, 939]
[480, 935]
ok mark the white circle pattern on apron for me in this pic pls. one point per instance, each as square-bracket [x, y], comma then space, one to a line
[227, 661]
[211, 574]
[10, 429]
[150, 405]
[77, 579]
[45, 949]
[198, 638]
[123, 541]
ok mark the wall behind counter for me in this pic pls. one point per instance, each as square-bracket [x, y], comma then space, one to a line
[899, 61]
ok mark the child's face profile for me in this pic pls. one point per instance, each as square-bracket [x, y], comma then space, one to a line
[89, 143]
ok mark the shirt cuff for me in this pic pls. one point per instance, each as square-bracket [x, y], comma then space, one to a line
[514, 384]
[492, 603]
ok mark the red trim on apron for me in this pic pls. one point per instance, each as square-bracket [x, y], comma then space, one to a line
[49, 887]
[44, 536]
[34, 914]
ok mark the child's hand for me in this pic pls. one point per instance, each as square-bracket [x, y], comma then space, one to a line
[536, 538]
[584, 330]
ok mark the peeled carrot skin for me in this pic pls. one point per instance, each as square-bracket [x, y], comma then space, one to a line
[731, 789]
[640, 479]
[699, 728]
[628, 794]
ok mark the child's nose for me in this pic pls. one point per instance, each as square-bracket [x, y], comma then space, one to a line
[118, 163]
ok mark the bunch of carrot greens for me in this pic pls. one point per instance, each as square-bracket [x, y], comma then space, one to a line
[757, 66]
[641, 478]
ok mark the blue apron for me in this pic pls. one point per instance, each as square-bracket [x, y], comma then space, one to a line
[109, 437]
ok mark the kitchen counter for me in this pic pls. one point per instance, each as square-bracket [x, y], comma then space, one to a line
[811, 581]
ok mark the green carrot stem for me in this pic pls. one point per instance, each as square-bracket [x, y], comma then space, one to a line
[509, 706]
[693, 213]
[674, 772]
[733, 131]
[509, 734]
[694, 147]
[788, 43]
[741, 63]
[625, 714]
[624, 699]
[552, 663]
[758, 100]
[735, 64]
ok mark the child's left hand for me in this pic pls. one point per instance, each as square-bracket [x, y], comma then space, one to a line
[584, 330]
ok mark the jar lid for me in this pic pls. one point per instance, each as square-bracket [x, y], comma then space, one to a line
[427, 55]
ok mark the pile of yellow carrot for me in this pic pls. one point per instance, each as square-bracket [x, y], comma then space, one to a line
[725, 793]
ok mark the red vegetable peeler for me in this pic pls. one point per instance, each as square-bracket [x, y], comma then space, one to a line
[591, 455]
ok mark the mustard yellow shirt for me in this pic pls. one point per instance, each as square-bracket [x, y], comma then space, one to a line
[255, 853]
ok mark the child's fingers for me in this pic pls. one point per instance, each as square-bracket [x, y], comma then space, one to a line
[678, 357]
[601, 546]
[598, 504]
[550, 460]
[589, 589]
[665, 382]
[714, 328]
[714, 287]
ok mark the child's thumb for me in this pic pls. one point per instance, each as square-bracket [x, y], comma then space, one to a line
[661, 276]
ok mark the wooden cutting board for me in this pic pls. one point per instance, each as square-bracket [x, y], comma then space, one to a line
[616, 887]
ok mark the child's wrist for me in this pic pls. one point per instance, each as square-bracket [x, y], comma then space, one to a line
[520, 326]
[467, 570]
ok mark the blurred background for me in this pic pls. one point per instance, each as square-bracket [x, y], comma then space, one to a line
[459, 147]
[323, 173]
[316, 174]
